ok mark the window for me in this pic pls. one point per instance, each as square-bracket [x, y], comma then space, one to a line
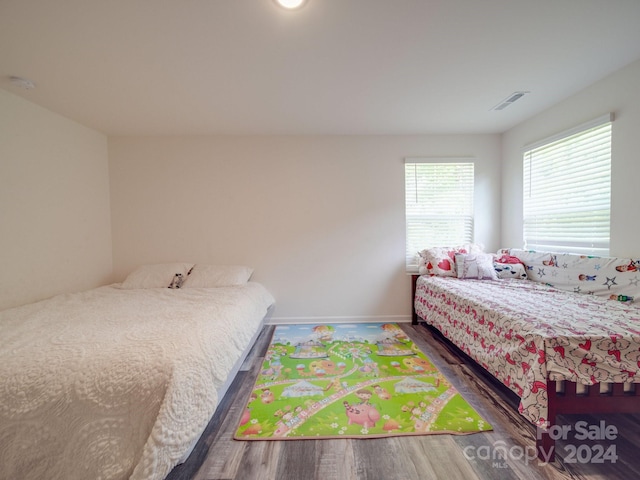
[567, 190]
[438, 204]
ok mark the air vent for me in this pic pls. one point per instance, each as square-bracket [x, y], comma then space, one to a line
[515, 96]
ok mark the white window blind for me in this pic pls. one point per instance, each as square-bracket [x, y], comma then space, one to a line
[439, 204]
[567, 191]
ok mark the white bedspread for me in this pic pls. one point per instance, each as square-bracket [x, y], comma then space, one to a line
[114, 383]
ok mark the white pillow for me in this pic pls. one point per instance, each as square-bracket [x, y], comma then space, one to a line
[478, 266]
[158, 275]
[207, 276]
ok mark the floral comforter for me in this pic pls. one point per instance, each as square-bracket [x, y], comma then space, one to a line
[525, 332]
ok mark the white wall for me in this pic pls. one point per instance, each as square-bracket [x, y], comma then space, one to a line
[618, 93]
[54, 204]
[321, 219]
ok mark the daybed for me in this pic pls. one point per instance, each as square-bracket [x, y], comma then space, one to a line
[571, 323]
[120, 381]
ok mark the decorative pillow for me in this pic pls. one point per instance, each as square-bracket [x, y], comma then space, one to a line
[161, 275]
[611, 277]
[510, 270]
[217, 276]
[441, 260]
[475, 265]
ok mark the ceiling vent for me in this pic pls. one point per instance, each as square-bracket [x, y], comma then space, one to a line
[515, 96]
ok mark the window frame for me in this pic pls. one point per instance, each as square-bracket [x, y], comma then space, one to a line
[552, 207]
[466, 215]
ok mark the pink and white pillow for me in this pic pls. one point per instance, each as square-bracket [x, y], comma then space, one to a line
[441, 260]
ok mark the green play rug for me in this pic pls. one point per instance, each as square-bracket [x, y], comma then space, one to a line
[363, 380]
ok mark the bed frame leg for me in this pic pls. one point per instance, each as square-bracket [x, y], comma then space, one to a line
[414, 315]
[545, 443]
[545, 446]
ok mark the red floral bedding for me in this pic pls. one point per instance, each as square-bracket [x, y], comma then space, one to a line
[524, 332]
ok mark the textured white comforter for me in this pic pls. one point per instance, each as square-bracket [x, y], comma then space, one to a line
[114, 383]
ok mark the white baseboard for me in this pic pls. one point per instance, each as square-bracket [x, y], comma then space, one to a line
[353, 319]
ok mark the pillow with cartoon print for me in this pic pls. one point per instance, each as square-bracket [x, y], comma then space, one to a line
[510, 270]
[612, 277]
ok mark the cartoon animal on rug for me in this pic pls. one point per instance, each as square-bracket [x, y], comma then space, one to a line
[415, 365]
[320, 368]
[267, 396]
[365, 415]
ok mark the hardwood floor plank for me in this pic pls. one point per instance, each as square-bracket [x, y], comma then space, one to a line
[297, 460]
[423, 338]
[437, 456]
[383, 458]
[223, 462]
[335, 459]
[483, 456]
[261, 461]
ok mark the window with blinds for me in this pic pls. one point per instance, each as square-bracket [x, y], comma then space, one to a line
[567, 190]
[438, 204]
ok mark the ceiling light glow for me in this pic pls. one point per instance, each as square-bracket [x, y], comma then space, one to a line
[290, 4]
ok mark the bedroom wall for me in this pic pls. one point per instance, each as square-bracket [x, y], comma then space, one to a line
[319, 218]
[618, 93]
[54, 203]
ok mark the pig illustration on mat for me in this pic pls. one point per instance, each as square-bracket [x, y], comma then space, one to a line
[362, 414]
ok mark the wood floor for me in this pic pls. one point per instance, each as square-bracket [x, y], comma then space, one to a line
[453, 457]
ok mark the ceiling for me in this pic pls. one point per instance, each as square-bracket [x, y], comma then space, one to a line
[181, 67]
